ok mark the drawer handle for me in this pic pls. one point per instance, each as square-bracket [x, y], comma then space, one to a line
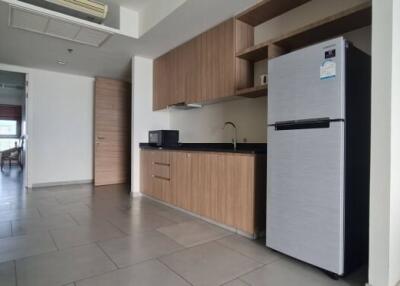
[161, 178]
[161, 164]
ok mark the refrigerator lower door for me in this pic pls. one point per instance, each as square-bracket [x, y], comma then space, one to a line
[305, 195]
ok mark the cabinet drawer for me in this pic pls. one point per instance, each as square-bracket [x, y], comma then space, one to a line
[161, 158]
[161, 170]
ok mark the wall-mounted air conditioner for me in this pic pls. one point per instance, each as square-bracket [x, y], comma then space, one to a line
[86, 9]
[55, 24]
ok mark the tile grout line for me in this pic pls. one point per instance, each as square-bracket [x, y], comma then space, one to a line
[75, 220]
[233, 280]
[174, 271]
[119, 268]
[52, 238]
[15, 272]
[11, 228]
[40, 213]
[117, 227]
[248, 272]
[190, 247]
[241, 280]
[106, 254]
[94, 276]
[239, 252]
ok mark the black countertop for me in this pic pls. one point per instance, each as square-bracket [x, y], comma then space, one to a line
[242, 148]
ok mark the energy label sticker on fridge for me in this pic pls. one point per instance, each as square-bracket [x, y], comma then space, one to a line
[328, 70]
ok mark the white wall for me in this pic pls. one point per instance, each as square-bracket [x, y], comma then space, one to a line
[394, 259]
[143, 118]
[156, 11]
[60, 126]
[384, 268]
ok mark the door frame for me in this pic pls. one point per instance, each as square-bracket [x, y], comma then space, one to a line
[27, 171]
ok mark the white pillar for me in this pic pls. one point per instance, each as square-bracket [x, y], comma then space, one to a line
[143, 116]
[384, 268]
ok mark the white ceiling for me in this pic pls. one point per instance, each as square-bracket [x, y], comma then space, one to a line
[113, 59]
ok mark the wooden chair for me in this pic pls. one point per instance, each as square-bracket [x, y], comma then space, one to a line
[13, 155]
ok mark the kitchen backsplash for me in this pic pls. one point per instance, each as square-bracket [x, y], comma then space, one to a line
[206, 124]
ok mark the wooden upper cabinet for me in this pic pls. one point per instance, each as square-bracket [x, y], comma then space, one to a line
[203, 69]
[217, 59]
[161, 83]
[193, 64]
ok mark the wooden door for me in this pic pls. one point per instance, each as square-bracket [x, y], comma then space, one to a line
[112, 132]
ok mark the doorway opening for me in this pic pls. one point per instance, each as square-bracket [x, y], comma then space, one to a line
[12, 132]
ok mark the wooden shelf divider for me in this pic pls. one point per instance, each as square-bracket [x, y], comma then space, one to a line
[253, 92]
[268, 9]
[255, 53]
[335, 25]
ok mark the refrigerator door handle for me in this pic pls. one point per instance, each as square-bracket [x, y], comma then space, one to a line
[316, 123]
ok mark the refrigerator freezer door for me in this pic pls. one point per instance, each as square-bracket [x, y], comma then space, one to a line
[308, 83]
[305, 194]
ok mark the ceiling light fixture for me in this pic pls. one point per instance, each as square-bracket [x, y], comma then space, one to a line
[60, 62]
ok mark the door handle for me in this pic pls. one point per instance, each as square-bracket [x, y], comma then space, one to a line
[100, 138]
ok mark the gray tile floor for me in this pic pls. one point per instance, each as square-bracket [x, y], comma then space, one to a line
[83, 236]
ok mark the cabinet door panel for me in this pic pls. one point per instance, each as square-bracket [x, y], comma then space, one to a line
[226, 188]
[161, 83]
[193, 74]
[218, 68]
[198, 182]
[181, 179]
[204, 184]
[243, 171]
[160, 188]
[146, 172]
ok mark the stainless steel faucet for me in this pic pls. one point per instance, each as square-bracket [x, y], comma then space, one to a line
[234, 140]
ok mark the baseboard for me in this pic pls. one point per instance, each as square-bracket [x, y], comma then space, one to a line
[64, 183]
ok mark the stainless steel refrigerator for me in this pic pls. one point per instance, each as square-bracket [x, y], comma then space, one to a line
[319, 155]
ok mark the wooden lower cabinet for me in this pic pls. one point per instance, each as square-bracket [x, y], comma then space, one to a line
[181, 179]
[155, 174]
[146, 179]
[227, 188]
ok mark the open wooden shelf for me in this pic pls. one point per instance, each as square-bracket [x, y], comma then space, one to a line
[358, 17]
[253, 92]
[255, 53]
[335, 25]
[268, 9]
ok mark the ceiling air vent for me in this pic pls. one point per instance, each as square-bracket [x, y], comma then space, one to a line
[51, 25]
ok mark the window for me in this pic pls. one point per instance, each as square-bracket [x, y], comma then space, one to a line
[8, 128]
[6, 144]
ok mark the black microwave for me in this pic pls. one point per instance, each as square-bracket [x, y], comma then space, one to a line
[164, 138]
